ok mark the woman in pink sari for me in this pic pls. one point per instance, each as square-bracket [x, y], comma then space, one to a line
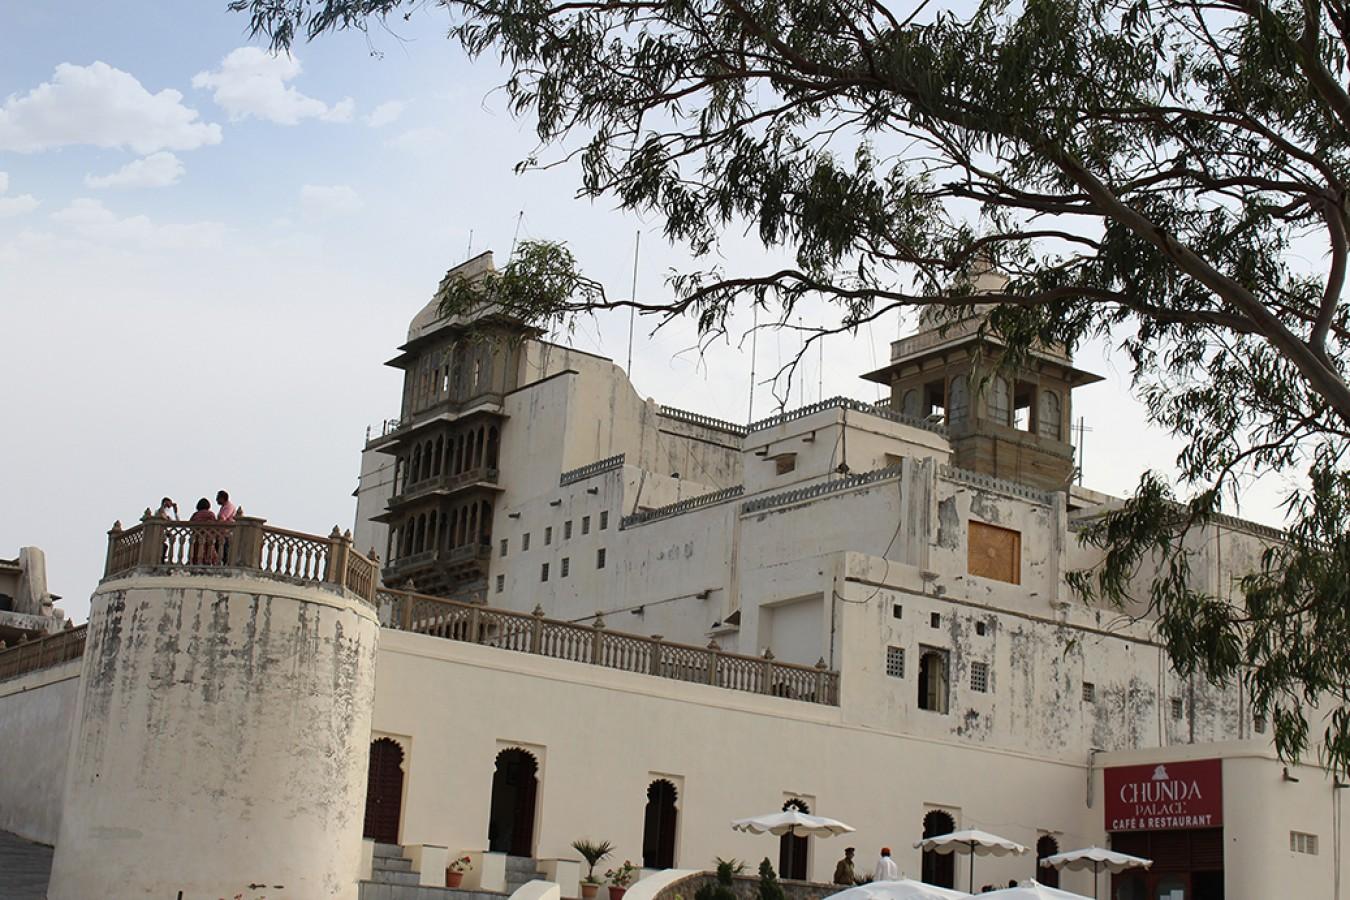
[204, 551]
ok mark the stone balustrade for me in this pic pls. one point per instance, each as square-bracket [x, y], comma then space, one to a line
[48, 650]
[246, 543]
[597, 645]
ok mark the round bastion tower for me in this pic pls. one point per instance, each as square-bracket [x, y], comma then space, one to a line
[223, 727]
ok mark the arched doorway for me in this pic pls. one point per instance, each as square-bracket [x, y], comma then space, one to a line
[1047, 875]
[658, 826]
[384, 791]
[511, 817]
[793, 850]
[939, 868]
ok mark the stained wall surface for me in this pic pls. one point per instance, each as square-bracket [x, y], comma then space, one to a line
[37, 711]
[220, 742]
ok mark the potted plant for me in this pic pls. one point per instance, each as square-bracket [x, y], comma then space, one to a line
[454, 873]
[594, 852]
[620, 878]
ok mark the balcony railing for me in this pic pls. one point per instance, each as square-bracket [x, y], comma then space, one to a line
[445, 484]
[49, 650]
[597, 645]
[451, 556]
[245, 543]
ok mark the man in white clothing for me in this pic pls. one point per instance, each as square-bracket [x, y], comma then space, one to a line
[886, 869]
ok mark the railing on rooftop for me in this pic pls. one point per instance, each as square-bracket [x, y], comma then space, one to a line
[245, 543]
[597, 645]
[682, 506]
[811, 491]
[40, 653]
[693, 418]
[581, 473]
[999, 485]
[880, 410]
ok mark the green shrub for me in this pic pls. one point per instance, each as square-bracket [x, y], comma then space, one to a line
[769, 888]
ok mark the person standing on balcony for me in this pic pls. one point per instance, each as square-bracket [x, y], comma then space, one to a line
[168, 509]
[886, 869]
[227, 509]
[204, 552]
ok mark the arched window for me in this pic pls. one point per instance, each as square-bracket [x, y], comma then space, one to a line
[910, 404]
[1000, 402]
[939, 868]
[492, 447]
[416, 465]
[959, 406]
[384, 791]
[1046, 875]
[440, 449]
[511, 815]
[1050, 424]
[793, 850]
[658, 826]
[933, 680]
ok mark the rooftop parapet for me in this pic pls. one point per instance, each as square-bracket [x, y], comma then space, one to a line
[247, 544]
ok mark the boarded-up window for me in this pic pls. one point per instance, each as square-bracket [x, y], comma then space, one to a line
[994, 553]
[785, 463]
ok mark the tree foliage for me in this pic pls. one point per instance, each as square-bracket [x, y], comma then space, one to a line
[1167, 173]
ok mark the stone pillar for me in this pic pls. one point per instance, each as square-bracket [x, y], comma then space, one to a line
[221, 742]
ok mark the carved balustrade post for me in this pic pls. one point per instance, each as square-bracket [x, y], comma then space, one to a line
[656, 654]
[339, 547]
[766, 675]
[245, 543]
[113, 534]
[152, 539]
[821, 681]
[714, 654]
[475, 626]
[597, 639]
[537, 629]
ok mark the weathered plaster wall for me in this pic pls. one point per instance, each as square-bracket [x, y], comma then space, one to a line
[37, 711]
[221, 741]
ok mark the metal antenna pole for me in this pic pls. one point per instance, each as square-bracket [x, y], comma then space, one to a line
[754, 352]
[632, 310]
[520, 217]
[468, 254]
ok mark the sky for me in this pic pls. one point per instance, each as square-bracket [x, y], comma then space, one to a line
[207, 252]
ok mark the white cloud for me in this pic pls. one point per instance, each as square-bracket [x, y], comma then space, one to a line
[252, 83]
[90, 219]
[156, 170]
[102, 106]
[420, 141]
[329, 200]
[386, 113]
[15, 206]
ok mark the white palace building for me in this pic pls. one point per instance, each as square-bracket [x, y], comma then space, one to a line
[568, 612]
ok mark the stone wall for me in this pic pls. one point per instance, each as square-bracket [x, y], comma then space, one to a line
[37, 711]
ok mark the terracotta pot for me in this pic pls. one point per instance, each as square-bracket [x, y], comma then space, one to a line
[588, 890]
[616, 893]
[453, 879]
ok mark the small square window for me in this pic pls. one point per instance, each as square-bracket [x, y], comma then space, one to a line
[566, 566]
[979, 677]
[897, 611]
[785, 463]
[1302, 842]
[548, 535]
[1089, 692]
[543, 572]
[501, 583]
[604, 519]
[895, 662]
[1178, 708]
[525, 542]
[600, 558]
[503, 546]
[980, 629]
[585, 524]
[935, 620]
[567, 530]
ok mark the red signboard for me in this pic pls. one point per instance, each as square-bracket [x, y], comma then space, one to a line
[1165, 796]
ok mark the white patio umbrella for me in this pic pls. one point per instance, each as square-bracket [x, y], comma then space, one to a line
[904, 889]
[976, 843]
[1096, 859]
[1032, 890]
[790, 820]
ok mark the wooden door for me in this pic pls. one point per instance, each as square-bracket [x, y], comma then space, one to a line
[384, 791]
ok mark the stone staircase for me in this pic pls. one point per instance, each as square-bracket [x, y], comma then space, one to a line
[392, 878]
